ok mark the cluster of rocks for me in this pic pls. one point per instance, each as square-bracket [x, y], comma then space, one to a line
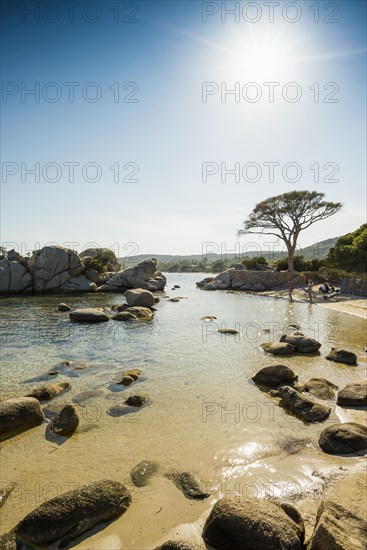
[23, 413]
[234, 523]
[56, 269]
[299, 343]
[345, 438]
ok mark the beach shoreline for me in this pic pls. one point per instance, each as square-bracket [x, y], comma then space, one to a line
[344, 303]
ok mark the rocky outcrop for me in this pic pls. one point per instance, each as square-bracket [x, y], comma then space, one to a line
[254, 524]
[338, 529]
[301, 406]
[139, 297]
[53, 266]
[48, 391]
[143, 276]
[66, 422]
[342, 356]
[347, 438]
[188, 484]
[20, 413]
[274, 376]
[14, 278]
[56, 269]
[66, 517]
[88, 315]
[277, 348]
[250, 280]
[99, 260]
[353, 395]
[142, 472]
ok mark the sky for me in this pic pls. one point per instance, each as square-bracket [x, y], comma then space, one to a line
[157, 126]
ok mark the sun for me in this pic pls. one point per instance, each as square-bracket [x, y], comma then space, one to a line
[263, 61]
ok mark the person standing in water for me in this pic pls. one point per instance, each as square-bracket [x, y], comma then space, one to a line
[309, 289]
[290, 290]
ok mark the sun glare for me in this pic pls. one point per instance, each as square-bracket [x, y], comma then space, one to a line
[263, 61]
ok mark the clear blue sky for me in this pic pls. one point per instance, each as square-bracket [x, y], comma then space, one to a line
[168, 50]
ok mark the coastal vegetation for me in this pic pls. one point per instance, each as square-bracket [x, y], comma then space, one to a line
[285, 216]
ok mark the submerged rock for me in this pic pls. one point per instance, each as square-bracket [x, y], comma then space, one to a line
[48, 391]
[188, 484]
[301, 406]
[347, 438]
[88, 315]
[274, 375]
[68, 516]
[20, 412]
[320, 387]
[66, 422]
[63, 307]
[277, 348]
[338, 529]
[342, 356]
[142, 472]
[253, 524]
[87, 395]
[353, 395]
[227, 331]
[133, 313]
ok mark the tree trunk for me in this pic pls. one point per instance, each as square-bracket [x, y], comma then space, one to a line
[291, 258]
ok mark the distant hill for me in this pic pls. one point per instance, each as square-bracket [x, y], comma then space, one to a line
[317, 250]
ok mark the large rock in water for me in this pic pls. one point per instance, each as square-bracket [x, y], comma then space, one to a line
[341, 439]
[48, 391]
[143, 275]
[277, 348]
[88, 315]
[20, 412]
[66, 422]
[338, 529]
[68, 516]
[302, 344]
[301, 406]
[353, 395]
[14, 278]
[320, 387]
[342, 356]
[142, 472]
[274, 375]
[253, 524]
[139, 297]
[53, 266]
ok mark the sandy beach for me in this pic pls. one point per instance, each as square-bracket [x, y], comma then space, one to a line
[353, 305]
